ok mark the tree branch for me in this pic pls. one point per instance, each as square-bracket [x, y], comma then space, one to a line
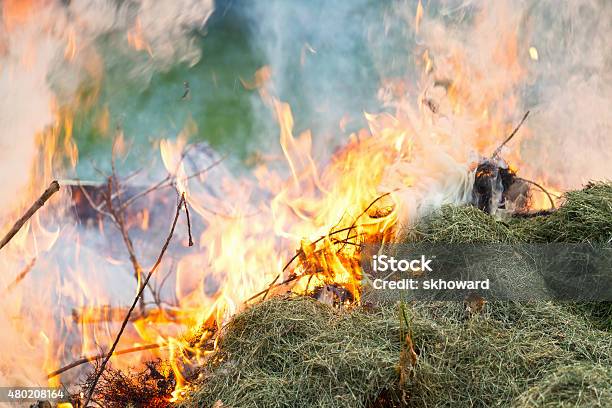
[135, 302]
[89, 359]
[52, 189]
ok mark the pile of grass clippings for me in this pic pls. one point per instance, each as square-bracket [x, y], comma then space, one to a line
[496, 358]
[296, 352]
[461, 225]
[558, 389]
[585, 216]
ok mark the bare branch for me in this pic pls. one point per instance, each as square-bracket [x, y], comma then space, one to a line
[21, 275]
[168, 181]
[52, 189]
[119, 218]
[516, 129]
[89, 359]
[188, 222]
[94, 206]
[135, 302]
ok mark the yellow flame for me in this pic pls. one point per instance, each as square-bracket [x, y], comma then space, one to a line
[418, 17]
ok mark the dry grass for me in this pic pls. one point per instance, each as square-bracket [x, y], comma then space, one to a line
[585, 216]
[495, 358]
[296, 352]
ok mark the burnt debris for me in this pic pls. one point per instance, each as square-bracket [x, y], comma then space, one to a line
[496, 186]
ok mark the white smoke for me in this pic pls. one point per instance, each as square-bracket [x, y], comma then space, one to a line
[562, 74]
[566, 140]
[36, 70]
[25, 106]
[47, 49]
[571, 140]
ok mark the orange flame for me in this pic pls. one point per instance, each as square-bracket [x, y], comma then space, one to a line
[404, 164]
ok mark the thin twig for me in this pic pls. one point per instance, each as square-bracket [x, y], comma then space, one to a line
[21, 275]
[269, 288]
[108, 313]
[89, 359]
[516, 129]
[135, 302]
[96, 208]
[118, 216]
[549, 195]
[293, 258]
[188, 222]
[159, 287]
[52, 189]
[365, 211]
[168, 181]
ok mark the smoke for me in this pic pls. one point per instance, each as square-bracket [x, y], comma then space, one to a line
[320, 61]
[571, 140]
[25, 106]
[49, 48]
[334, 60]
[549, 57]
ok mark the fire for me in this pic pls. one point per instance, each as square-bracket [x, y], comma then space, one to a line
[16, 12]
[136, 38]
[71, 46]
[418, 17]
[299, 228]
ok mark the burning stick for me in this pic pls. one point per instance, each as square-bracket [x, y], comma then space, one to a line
[52, 189]
[364, 212]
[300, 252]
[516, 129]
[21, 275]
[108, 313]
[136, 300]
[294, 276]
[89, 359]
[548, 194]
